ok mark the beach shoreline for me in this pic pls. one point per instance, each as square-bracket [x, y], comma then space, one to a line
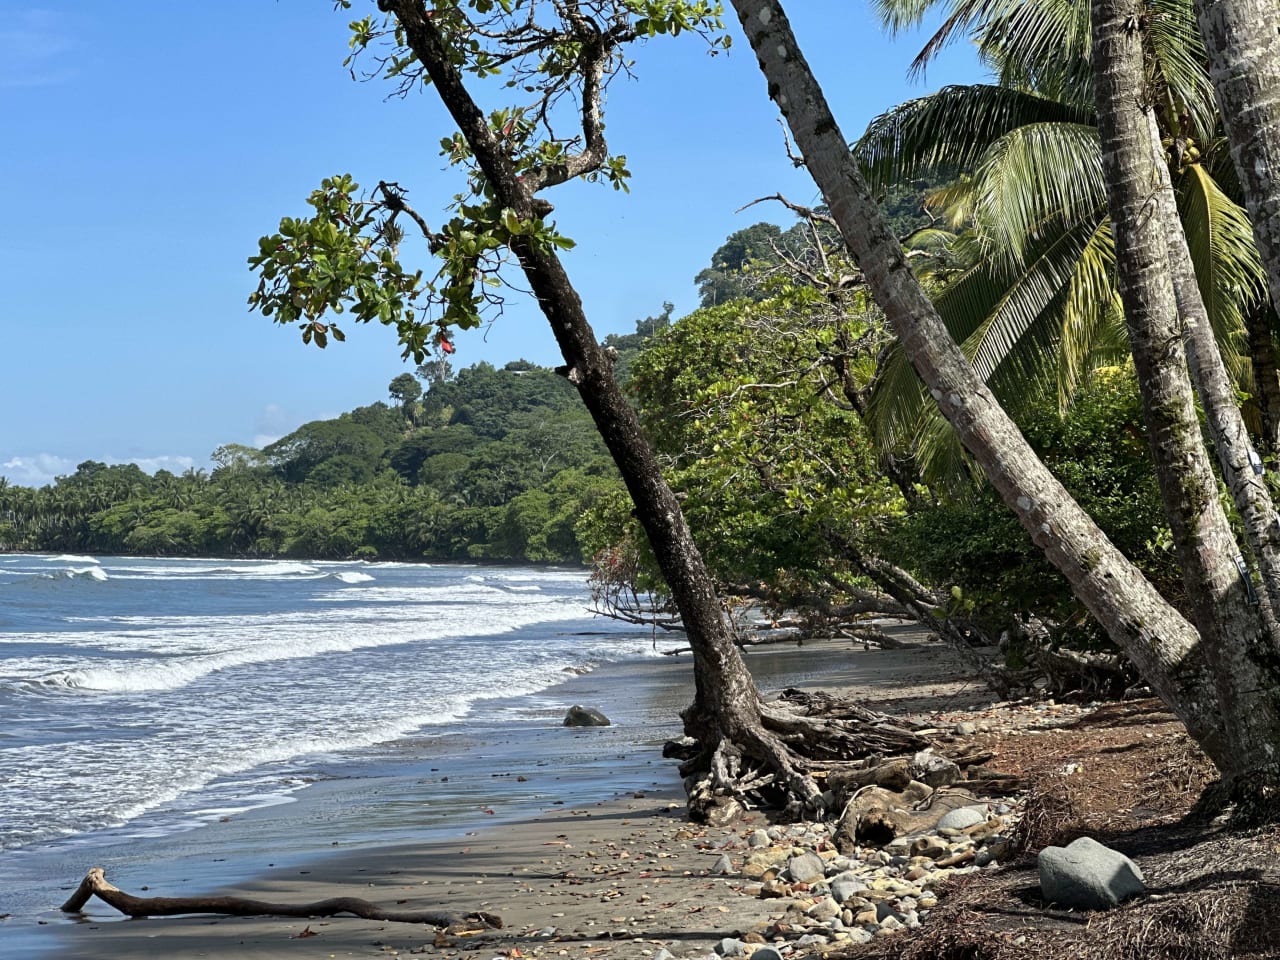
[592, 807]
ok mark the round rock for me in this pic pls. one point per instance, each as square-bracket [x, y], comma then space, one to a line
[580, 716]
[962, 817]
[806, 868]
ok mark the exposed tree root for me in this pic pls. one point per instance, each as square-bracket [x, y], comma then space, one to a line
[95, 884]
[1244, 801]
[771, 763]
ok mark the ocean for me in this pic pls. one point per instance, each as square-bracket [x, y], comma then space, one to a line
[145, 703]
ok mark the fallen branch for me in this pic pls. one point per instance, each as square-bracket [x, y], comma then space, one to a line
[95, 884]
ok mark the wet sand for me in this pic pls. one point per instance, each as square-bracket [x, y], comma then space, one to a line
[588, 855]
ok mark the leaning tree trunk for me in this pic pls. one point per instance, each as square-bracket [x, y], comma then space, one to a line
[744, 743]
[1236, 456]
[1242, 38]
[1162, 644]
[1237, 646]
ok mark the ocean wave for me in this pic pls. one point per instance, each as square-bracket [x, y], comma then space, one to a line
[72, 558]
[351, 576]
[74, 573]
[277, 639]
[234, 569]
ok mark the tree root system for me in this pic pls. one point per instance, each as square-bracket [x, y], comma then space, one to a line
[772, 764]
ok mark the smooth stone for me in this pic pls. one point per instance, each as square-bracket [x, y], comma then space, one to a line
[580, 716]
[731, 947]
[965, 729]
[723, 866]
[846, 885]
[1086, 875]
[825, 909]
[766, 953]
[664, 954]
[962, 817]
[806, 868]
[758, 838]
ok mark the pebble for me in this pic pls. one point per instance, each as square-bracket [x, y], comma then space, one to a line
[869, 892]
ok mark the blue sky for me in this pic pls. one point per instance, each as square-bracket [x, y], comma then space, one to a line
[150, 143]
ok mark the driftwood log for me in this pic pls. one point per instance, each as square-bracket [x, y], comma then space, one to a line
[95, 884]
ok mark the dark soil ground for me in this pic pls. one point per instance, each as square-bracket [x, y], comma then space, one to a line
[1126, 775]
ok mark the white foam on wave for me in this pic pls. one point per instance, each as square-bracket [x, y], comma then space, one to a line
[75, 573]
[270, 639]
[72, 558]
[352, 576]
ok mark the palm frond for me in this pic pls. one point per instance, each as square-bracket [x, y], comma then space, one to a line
[1228, 268]
[951, 129]
[1043, 47]
[899, 15]
[1179, 58]
[1034, 174]
[954, 202]
[1092, 326]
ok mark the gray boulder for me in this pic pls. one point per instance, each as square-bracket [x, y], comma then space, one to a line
[580, 716]
[731, 947]
[766, 953]
[1085, 875]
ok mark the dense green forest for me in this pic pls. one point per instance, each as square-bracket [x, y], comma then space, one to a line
[490, 464]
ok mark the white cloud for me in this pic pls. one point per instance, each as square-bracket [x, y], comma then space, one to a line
[40, 469]
[174, 464]
[35, 471]
[35, 50]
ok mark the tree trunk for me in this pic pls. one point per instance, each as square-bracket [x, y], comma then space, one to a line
[1238, 648]
[1242, 38]
[1266, 378]
[743, 744]
[1236, 455]
[1163, 645]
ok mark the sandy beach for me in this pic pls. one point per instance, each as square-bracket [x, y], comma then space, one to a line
[577, 838]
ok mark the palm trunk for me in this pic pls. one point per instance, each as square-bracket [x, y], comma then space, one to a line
[1236, 643]
[1266, 379]
[1162, 644]
[1242, 38]
[1236, 455]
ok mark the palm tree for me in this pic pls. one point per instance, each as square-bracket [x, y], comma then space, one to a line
[1035, 304]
